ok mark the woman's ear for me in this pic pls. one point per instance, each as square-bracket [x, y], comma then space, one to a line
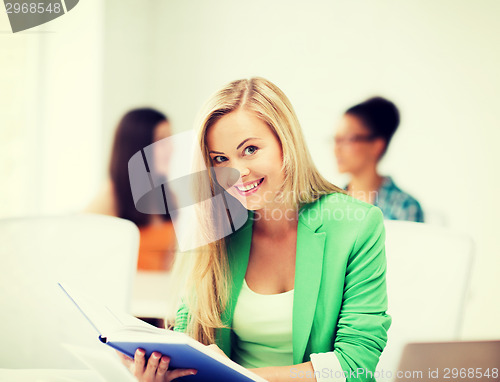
[378, 148]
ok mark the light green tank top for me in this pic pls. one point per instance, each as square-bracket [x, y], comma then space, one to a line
[263, 327]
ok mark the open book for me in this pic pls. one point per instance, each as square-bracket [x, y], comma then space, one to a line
[126, 333]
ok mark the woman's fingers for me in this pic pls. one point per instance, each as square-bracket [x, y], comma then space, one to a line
[156, 368]
[150, 372]
[162, 368]
[171, 375]
[139, 362]
[216, 349]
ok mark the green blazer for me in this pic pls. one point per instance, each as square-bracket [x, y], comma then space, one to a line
[340, 297]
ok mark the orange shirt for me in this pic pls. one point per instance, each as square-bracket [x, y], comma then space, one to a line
[156, 247]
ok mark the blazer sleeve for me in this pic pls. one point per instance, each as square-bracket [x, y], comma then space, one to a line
[363, 322]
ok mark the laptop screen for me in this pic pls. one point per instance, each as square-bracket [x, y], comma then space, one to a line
[450, 362]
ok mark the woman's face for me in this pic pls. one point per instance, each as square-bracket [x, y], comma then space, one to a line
[162, 130]
[242, 141]
[355, 150]
[162, 149]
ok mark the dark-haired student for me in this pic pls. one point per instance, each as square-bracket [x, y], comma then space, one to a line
[136, 130]
[361, 140]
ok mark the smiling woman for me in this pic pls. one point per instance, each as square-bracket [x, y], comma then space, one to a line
[257, 158]
[300, 287]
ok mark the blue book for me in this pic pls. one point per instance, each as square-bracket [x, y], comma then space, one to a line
[126, 334]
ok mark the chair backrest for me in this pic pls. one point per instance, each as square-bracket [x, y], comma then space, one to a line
[92, 253]
[435, 216]
[428, 269]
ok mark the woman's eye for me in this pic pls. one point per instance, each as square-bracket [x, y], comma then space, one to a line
[250, 150]
[219, 159]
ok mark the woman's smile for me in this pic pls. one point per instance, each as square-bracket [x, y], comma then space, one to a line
[249, 187]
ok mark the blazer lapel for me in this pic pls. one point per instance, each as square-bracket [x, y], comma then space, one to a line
[308, 269]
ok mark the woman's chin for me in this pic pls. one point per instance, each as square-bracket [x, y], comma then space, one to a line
[342, 169]
[249, 204]
[253, 208]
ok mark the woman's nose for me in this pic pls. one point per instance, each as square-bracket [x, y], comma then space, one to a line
[242, 169]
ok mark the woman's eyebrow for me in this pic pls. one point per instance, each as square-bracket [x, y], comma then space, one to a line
[237, 148]
[242, 143]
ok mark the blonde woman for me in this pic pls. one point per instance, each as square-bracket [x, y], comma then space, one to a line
[299, 290]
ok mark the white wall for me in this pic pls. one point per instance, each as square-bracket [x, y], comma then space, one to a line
[18, 89]
[70, 101]
[438, 60]
[128, 37]
[51, 112]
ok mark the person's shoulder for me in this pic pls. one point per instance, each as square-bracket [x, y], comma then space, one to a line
[403, 197]
[344, 202]
[394, 189]
[400, 205]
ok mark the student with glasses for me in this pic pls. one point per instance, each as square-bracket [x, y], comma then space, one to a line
[361, 140]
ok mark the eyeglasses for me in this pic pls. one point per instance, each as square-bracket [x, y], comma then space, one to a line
[349, 139]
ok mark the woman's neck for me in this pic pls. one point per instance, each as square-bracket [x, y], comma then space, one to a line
[155, 220]
[365, 184]
[276, 221]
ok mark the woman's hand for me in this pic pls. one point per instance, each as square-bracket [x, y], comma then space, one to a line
[217, 350]
[156, 369]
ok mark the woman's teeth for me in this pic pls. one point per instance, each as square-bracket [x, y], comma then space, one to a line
[250, 186]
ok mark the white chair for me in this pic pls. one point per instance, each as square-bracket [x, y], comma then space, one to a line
[435, 216]
[92, 253]
[428, 271]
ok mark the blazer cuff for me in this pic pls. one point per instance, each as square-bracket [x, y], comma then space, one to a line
[327, 367]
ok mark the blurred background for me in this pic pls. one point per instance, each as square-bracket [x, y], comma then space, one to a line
[65, 84]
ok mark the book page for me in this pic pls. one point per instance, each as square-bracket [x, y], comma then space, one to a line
[130, 322]
[98, 315]
[107, 365]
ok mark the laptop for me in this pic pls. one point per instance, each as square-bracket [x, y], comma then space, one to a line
[450, 361]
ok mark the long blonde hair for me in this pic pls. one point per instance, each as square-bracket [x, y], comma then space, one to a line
[209, 279]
